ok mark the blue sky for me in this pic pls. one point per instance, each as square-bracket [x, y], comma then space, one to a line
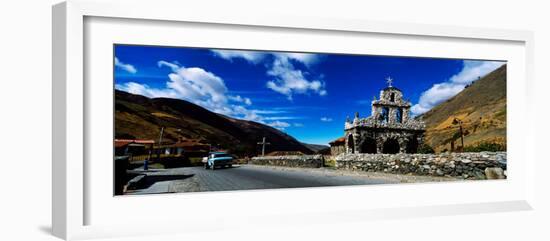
[305, 95]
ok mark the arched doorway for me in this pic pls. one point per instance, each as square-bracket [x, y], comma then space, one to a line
[391, 146]
[368, 146]
[412, 145]
[351, 144]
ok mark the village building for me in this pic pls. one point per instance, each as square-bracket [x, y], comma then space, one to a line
[142, 149]
[129, 147]
[189, 147]
[338, 146]
[389, 129]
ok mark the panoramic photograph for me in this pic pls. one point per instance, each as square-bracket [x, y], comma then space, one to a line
[202, 119]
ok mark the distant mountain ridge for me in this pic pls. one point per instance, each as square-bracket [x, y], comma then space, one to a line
[481, 107]
[139, 117]
[316, 147]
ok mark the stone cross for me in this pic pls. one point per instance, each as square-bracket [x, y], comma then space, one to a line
[389, 80]
[263, 143]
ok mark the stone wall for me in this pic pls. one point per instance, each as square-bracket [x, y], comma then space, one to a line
[465, 165]
[314, 161]
[337, 149]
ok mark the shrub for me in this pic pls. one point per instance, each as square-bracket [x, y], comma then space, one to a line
[329, 161]
[485, 146]
[425, 149]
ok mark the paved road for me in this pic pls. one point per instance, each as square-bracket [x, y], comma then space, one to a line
[246, 177]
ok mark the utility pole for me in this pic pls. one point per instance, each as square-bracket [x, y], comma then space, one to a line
[459, 122]
[160, 142]
[263, 143]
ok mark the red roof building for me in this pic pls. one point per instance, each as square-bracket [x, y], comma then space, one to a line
[338, 146]
[124, 142]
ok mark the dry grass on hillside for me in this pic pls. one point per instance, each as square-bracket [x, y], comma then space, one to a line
[482, 109]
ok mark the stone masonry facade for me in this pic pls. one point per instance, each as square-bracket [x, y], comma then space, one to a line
[312, 161]
[467, 165]
[389, 129]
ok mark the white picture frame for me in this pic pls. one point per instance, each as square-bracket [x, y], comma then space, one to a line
[73, 193]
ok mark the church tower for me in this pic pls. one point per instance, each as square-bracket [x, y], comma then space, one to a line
[389, 129]
[391, 108]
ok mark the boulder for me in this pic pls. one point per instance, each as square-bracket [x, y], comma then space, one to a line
[494, 173]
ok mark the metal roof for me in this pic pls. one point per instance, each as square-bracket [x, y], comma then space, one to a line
[124, 142]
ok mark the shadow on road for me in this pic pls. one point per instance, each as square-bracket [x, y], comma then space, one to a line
[152, 179]
[232, 167]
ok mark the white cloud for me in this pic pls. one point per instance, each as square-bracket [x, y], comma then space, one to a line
[326, 119]
[207, 90]
[475, 69]
[435, 95]
[246, 114]
[127, 67]
[145, 90]
[256, 57]
[238, 98]
[304, 58]
[271, 111]
[174, 66]
[253, 57]
[197, 86]
[443, 91]
[282, 118]
[289, 80]
[281, 125]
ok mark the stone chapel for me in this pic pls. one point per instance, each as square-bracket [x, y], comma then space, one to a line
[389, 129]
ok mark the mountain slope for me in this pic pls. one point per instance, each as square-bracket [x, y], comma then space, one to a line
[482, 109]
[140, 117]
[316, 147]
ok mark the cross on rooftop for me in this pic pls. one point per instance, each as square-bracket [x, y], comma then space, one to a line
[389, 80]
